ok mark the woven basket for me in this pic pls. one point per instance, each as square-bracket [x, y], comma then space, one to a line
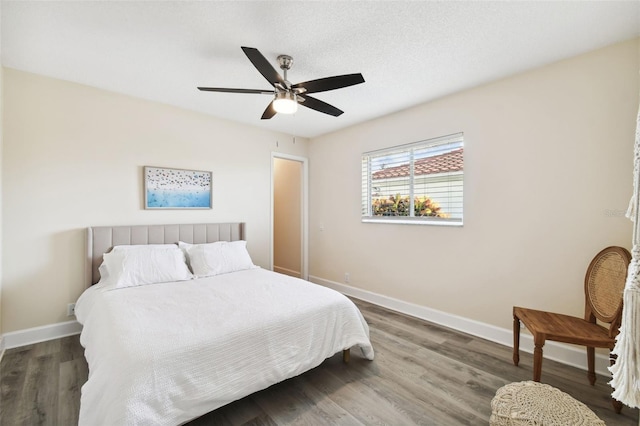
[533, 403]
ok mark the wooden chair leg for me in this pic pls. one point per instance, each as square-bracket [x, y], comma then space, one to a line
[591, 371]
[516, 340]
[537, 359]
[617, 405]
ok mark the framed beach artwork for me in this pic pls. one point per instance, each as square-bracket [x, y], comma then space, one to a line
[166, 188]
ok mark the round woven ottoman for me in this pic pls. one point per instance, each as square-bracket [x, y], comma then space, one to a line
[533, 403]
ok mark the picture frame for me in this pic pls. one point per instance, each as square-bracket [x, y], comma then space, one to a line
[168, 188]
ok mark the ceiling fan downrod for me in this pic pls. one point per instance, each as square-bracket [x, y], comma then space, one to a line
[285, 62]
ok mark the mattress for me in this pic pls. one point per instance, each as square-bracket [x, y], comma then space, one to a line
[167, 353]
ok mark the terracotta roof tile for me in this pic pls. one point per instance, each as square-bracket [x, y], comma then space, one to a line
[451, 161]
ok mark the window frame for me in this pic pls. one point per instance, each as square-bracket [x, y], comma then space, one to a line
[410, 148]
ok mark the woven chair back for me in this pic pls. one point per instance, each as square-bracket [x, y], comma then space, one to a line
[604, 283]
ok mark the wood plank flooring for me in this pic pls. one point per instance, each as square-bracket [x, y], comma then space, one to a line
[40, 384]
[423, 374]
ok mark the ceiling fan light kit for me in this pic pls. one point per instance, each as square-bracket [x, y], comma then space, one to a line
[287, 96]
[285, 103]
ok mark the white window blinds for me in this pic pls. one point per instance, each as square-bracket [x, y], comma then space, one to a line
[421, 182]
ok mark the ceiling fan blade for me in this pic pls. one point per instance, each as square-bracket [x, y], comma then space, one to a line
[262, 65]
[227, 90]
[330, 83]
[320, 106]
[269, 112]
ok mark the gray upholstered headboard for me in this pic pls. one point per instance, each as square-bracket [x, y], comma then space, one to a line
[101, 239]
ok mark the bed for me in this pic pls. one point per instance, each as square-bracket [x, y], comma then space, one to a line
[164, 353]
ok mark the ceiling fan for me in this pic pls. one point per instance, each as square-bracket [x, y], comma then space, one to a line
[287, 96]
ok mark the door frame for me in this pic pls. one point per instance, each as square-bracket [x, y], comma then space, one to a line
[304, 211]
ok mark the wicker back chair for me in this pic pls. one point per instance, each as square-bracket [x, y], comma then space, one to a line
[603, 287]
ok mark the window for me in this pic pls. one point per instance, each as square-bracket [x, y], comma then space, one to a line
[420, 182]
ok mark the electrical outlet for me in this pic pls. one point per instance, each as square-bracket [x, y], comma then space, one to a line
[347, 277]
[71, 309]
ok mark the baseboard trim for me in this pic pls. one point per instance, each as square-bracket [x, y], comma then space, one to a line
[1, 347]
[33, 335]
[566, 354]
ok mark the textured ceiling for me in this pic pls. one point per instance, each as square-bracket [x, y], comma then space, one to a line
[408, 52]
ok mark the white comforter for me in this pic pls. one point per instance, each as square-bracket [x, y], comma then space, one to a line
[163, 354]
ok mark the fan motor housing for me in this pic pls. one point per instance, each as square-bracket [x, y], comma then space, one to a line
[285, 62]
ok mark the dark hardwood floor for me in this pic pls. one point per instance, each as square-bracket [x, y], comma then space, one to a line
[422, 374]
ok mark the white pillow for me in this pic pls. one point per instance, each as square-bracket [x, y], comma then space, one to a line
[217, 258]
[128, 266]
[114, 262]
[185, 247]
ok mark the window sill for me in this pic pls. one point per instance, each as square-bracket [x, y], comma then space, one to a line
[407, 221]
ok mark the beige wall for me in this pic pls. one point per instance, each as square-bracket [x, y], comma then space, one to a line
[287, 214]
[548, 169]
[73, 157]
[548, 175]
[1, 144]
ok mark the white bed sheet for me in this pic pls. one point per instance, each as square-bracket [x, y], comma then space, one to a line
[164, 354]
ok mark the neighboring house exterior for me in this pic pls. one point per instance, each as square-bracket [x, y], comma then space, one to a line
[439, 177]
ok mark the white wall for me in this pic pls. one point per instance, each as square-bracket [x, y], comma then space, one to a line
[73, 158]
[548, 175]
[548, 169]
[1, 144]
